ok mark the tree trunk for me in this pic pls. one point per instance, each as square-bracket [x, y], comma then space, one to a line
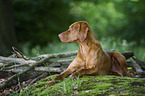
[7, 32]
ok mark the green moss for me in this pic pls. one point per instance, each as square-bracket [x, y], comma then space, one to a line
[88, 86]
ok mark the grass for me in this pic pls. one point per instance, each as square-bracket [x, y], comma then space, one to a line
[64, 88]
[88, 86]
[107, 44]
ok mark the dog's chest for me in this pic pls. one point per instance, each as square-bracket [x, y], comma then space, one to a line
[84, 52]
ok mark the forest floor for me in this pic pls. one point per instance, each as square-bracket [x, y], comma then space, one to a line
[88, 86]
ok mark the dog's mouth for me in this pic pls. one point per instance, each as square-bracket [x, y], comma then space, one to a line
[65, 41]
[70, 42]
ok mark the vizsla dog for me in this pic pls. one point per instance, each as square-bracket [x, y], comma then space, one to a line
[91, 58]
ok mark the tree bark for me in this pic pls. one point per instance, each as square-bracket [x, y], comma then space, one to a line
[7, 32]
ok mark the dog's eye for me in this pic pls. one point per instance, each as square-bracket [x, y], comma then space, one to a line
[71, 29]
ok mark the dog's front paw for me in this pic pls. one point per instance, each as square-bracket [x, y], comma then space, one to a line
[72, 77]
[50, 84]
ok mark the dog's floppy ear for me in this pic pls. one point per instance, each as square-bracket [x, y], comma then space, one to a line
[83, 31]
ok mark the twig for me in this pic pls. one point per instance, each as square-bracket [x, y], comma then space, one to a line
[19, 84]
[37, 78]
[20, 54]
[62, 61]
[124, 89]
[49, 69]
[16, 66]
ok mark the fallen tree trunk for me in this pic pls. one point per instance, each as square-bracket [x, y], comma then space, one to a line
[127, 54]
[7, 61]
[46, 63]
[23, 77]
[141, 63]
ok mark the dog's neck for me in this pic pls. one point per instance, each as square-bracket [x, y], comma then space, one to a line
[89, 43]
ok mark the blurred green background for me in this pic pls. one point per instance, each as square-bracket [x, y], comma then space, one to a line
[117, 24]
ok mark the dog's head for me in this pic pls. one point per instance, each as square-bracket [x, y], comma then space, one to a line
[76, 31]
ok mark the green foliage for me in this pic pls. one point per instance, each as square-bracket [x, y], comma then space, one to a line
[113, 18]
[103, 18]
[40, 21]
[107, 44]
[122, 46]
[53, 47]
[87, 86]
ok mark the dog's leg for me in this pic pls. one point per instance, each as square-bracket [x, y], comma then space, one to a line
[72, 67]
[59, 77]
[91, 71]
[120, 64]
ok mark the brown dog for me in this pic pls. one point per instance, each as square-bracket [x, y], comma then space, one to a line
[91, 58]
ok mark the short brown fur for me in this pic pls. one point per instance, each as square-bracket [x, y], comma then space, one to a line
[91, 58]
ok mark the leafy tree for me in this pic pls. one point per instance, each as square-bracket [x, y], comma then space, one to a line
[39, 21]
[117, 18]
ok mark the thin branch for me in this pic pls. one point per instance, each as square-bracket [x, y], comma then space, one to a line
[37, 78]
[20, 54]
